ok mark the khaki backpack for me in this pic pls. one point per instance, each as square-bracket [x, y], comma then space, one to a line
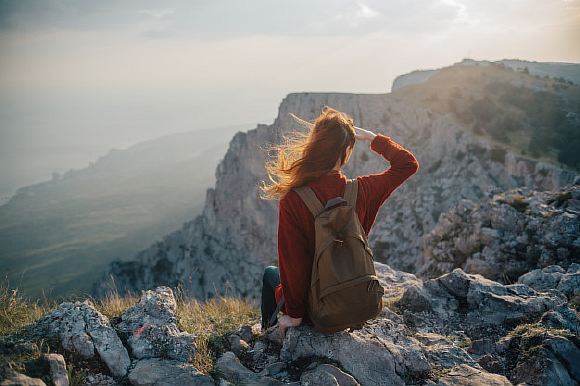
[344, 288]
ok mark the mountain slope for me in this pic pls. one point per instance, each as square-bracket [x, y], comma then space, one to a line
[225, 249]
[60, 235]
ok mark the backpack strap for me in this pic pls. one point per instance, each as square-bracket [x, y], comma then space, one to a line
[351, 191]
[310, 199]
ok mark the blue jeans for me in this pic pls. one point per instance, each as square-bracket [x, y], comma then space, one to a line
[270, 281]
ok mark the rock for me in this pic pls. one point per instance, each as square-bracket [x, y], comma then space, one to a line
[326, 374]
[237, 344]
[389, 352]
[16, 379]
[275, 368]
[258, 350]
[543, 279]
[543, 357]
[58, 373]
[474, 304]
[464, 375]
[167, 372]
[229, 367]
[82, 329]
[99, 380]
[151, 327]
[256, 329]
[273, 334]
[246, 333]
[504, 236]
[554, 277]
[562, 317]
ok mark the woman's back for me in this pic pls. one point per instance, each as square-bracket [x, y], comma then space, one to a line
[296, 224]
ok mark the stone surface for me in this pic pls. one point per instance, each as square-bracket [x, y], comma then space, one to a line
[229, 367]
[237, 344]
[472, 303]
[58, 373]
[99, 380]
[326, 374]
[167, 372]
[554, 277]
[544, 357]
[14, 378]
[464, 375]
[151, 328]
[82, 329]
[509, 234]
[390, 352]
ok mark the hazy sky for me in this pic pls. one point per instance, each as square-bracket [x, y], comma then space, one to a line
[79, 77]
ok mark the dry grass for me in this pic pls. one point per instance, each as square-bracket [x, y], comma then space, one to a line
[16, 311]
[211, 321]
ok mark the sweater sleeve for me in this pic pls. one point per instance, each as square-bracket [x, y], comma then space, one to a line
[294, 259]
[374, 189]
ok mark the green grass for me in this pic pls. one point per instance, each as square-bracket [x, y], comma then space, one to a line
[211, 321]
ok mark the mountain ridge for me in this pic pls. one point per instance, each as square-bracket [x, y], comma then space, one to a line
[230, 243]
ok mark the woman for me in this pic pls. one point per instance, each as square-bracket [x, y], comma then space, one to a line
[315, 159]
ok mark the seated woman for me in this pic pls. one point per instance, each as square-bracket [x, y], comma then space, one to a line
[315, 159]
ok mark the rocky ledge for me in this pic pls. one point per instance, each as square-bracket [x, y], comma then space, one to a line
[506, 235]
[456, 329]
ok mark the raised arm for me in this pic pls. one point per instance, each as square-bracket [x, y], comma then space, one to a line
[374, 189]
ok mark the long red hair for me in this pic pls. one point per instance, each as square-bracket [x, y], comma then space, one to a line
[303, 157]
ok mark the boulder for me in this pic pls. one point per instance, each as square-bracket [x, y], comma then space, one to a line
[326, 374]
[554, 277]
[229, 367]
[82, 329]
[14, 378]
[458, 301]
[167, 372]
[57, 366]
[464, 375]
[151, 328]
[390, 352]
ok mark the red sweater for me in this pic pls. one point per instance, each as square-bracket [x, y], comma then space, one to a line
[296, 223]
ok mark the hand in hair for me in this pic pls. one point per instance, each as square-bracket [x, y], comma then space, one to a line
[365, 135]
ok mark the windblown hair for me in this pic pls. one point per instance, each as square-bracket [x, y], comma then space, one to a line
[303, 157]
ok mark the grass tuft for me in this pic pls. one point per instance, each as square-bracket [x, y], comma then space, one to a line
[210, 321]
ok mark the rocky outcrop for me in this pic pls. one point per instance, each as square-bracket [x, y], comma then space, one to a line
[456, 329]
[158, 371]
[506, 235]
[555, 277]
[151, 330]
[225, 249]
[81, 329]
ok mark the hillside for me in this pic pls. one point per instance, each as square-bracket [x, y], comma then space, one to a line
[529, 114]
[225, 249]
[58, 236]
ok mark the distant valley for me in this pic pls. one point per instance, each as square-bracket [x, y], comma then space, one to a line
[58, 236]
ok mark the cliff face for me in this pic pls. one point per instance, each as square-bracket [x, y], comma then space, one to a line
[506, 235]
[225, 249]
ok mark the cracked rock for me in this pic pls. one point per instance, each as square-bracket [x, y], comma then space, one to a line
[82, 329]
[151, 328]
